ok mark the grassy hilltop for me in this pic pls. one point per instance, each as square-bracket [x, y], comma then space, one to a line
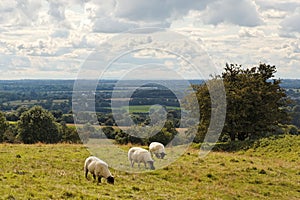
[268, 170]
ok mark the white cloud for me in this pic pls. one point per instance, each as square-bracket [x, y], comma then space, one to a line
[111, 25]
[157, 10]
[278, 5]
[246, 32]
[291, 22]
[239, 12]
[57, 35]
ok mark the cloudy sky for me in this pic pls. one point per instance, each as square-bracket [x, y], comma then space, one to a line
[55, 39]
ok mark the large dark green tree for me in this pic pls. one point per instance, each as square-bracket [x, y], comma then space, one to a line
[38, 125]
[254, 102]
[3, 126]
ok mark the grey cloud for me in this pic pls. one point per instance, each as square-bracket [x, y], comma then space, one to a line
[20, 12]
[239, 12]
[276, 5]
[157, 10]
[291, 23]
[57, 10]
[12, 62]
[61, 33]
[124, 15]
[110, 25]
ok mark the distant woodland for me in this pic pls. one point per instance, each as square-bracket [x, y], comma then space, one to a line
[257, 105]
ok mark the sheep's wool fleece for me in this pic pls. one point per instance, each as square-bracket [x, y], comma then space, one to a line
[100, 168]
[157, 147]
[97, 166]
[141, 155]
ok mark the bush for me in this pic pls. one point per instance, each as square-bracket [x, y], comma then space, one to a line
[109, 132]
[293, 130]
[38, 125]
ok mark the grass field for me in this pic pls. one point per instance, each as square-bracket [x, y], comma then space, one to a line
[146, 108]
[271, 170]
[33, 102]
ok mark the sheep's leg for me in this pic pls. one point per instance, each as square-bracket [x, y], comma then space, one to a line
[132, 163]
[145, 165]
[139, 165]
[94, 176]
[86, 173]
[99, 179]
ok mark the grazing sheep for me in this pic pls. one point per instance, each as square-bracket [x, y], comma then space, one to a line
[98, 168]
[158, 149]
[137, 154]
[131, 151]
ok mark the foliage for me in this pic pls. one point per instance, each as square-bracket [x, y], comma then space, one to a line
[109, 132]
[3, 126]
[38, 125]
[10, 134]
[146, 135]
[69, 134]
[254, 102]
[295, 114]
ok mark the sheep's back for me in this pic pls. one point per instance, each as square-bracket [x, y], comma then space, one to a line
[141, 155]
[132, 150]
[101, 169]
[89, 160]
[156, 147]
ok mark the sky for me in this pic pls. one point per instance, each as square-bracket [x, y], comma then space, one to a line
[67, 39]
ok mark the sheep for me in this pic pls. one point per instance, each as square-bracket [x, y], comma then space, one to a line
[158, 149]
[137, 154]
[130, 153]
[98, 168]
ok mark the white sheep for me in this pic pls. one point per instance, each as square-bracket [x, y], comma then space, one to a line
[98, 168]
[138, 155]
[158, 149]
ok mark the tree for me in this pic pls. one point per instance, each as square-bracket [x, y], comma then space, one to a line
[254, 102]
[38, 125]
[69, 134]
[295, 114]
[3, 126]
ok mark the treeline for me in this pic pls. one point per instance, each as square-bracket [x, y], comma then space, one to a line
[39, 125]
[57, 94]
[257, 106]
[36, 125]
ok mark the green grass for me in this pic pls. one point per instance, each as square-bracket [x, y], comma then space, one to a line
[33, 102]
[269, 170]
[19, 102]
[146, 108]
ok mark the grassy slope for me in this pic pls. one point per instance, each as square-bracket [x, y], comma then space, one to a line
[270, 171]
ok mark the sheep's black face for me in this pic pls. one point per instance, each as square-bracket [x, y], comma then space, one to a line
[111, 180]
[162, 155]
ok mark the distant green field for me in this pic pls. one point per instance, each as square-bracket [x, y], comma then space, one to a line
[142, 108]
[271, 170]
[146, 108]
[19, 102]
[32, 102]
